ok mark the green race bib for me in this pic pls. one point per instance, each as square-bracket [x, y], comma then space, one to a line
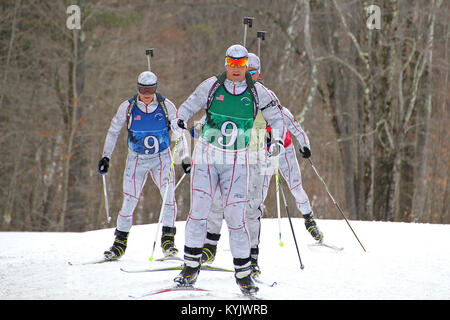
[229, 120]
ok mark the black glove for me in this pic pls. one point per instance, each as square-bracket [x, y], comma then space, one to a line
[306, 153]
[186, 165]
[181, 124]
[103, 165]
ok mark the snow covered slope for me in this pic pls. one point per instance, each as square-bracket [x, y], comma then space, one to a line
[403, 261]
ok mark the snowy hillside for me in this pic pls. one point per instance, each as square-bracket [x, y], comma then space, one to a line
[403, 261]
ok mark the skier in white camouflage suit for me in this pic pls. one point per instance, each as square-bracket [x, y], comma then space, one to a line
[258, 160]
[290, 170]
[220, 159]
[260, 175]
[147, 116]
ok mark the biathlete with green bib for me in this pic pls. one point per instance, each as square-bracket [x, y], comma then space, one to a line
[260, 173]
[257, 169]
[220, 160]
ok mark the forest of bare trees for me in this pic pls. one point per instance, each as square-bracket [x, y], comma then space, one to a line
[370, 90]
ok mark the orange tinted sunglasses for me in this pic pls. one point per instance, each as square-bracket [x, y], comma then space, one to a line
[241, 62]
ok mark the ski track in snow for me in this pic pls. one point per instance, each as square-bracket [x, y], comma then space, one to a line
[404, 261]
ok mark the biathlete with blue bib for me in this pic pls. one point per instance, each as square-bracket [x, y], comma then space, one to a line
[147, 116]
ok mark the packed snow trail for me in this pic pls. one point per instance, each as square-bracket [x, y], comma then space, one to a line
[403, 261]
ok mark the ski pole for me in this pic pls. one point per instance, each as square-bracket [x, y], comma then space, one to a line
[108, 218]
[292, 227]
[335, 203]
[164, 199]
[277, 190]
[261, 35]
[179, 181]
[247, 22]
[149, 53]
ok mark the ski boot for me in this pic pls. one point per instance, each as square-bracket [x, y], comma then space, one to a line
[168, 241]
[312, 227]
[188, 276]
[256, 271]
[243, 276]
[209, 253]
[210, 247]
[247, 285]
[119, 246]
[254, 262]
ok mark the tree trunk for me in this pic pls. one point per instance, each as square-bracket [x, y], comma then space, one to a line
[72, 156]
[420, 179]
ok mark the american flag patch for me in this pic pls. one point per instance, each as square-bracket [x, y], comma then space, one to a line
[220, 97]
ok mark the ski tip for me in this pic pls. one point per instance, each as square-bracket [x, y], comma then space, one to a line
[281, 244]
[150, 259]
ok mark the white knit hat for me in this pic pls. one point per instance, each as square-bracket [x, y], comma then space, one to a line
[253, 61]
[236, 51]
[147, 78]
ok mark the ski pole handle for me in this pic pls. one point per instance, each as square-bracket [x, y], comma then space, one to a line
[261, 35]
[149, 53]
[247, 22]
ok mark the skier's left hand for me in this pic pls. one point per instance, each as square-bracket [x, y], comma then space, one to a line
[306, 153]
[186, 165]
[177, 125]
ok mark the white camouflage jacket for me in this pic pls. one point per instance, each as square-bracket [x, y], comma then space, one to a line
[120, 119]
[198, 99]
[292, 125]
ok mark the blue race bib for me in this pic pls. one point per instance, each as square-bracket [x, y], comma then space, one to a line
[148, 132]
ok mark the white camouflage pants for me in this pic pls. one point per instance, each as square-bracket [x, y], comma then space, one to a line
[137, 169]
[256, 193]
[290, 170]
[225, 171]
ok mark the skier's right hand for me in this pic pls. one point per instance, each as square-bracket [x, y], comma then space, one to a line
[103, 165]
